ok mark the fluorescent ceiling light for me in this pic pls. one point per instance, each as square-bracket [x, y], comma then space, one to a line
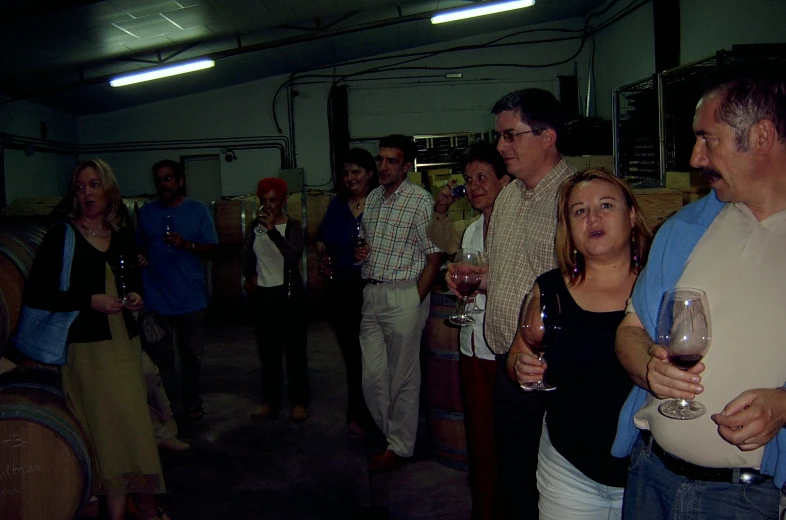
[480, 10]
[162, 72]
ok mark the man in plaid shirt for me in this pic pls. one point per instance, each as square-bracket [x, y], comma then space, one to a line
[399, 267]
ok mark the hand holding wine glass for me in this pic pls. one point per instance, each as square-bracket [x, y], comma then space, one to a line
[684, 331]
[169, 231]
[467, 278]
[539, 326]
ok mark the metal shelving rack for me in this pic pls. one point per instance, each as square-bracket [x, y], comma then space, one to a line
[653, 117]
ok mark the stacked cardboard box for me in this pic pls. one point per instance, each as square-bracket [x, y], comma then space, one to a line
[693, 184]
[585, 162]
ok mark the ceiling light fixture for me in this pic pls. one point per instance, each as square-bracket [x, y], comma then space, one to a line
[480, 10]
[162, 72]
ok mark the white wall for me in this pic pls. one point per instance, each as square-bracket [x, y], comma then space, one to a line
[42, 174]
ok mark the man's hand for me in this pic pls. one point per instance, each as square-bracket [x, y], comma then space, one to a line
[461, 268]
[141, 260]
[445, 198]
[174, 240]
[666, 380]
[133, 302]
[753, 418]
[106, 304]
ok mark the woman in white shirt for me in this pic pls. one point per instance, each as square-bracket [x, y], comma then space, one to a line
[270, 257]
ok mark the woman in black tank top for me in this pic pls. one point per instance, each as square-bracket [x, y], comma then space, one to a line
[601, 245]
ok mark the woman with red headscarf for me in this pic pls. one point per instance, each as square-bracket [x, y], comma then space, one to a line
[270, 255]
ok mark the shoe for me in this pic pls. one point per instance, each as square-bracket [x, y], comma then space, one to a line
[263, 411]
[356, 431]
[299, 413]
[195, 414]
[174, 444]
[385, 461]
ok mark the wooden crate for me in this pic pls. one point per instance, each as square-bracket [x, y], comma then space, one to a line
[658, 204]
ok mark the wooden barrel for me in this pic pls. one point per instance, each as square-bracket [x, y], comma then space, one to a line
[45, 464]
[19, 243]
[445, 411]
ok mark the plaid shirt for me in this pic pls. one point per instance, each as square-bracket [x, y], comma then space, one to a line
[395, 229]
[520, 245]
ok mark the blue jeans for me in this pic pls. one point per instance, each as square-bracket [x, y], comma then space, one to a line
[654, 492]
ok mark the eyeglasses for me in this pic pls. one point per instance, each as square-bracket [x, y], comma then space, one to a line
[508, 135]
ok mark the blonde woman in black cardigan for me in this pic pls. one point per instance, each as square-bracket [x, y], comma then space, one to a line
[270, 256]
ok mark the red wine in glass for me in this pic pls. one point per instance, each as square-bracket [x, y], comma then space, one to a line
[684, 331]
[539, 325]
[466, 276]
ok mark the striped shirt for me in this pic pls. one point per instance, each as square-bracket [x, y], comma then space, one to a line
[520, 245]
[395, 230]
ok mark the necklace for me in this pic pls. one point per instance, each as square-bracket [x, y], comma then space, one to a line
[93, 233]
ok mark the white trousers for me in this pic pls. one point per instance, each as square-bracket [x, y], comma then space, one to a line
[393, 320]
[567, 494]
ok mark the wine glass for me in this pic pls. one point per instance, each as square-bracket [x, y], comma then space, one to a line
[684, 331]
[467, 281]
[169, 228]
[539, 326]
[358, 237]
[122, 270]
[260, 229]
[473, 299]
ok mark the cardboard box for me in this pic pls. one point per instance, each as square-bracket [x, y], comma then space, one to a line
[585, 162]
[687, 181]
[658, 204]
[415, 178]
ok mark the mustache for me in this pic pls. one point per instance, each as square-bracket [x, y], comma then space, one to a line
[711, 173]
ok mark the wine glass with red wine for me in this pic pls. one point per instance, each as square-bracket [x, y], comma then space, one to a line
[539, 326]
[467, 279]
[684, 331]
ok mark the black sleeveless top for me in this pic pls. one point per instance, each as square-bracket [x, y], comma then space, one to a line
[581, 414]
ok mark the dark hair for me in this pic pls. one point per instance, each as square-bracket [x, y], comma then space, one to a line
[403, 143]
[112, 213]
[537, 108]
[641, 236]
[749, 94]
[176, 169]
[486, 153]
[364, 159]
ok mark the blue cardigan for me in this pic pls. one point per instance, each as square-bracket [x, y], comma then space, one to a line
[669, 253]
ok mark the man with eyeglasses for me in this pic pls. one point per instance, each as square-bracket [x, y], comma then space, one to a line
[399, 265]
[174, 279]
[520, 245]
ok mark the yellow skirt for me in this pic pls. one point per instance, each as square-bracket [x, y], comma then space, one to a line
[105, 389]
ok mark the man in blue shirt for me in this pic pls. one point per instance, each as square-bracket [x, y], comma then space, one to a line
[174, 278]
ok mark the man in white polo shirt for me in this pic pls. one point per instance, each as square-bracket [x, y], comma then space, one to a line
[728, 463]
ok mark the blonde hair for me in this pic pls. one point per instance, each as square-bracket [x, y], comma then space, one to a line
[112, 215]
[640, 234]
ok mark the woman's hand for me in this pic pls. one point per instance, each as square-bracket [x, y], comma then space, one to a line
[250, 285]
[133, 302]
[528, 369]
[266, 219]
[361, 253]
[141, 260]
[445, 197]
[106, 304]
[326, 265]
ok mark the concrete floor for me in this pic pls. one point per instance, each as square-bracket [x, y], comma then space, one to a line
[275, 468]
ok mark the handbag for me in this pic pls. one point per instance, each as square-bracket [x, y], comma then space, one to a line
[43, 335]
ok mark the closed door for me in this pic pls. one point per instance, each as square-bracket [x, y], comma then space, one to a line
[203, 177]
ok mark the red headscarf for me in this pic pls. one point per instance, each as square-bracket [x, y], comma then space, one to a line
[272, 183]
